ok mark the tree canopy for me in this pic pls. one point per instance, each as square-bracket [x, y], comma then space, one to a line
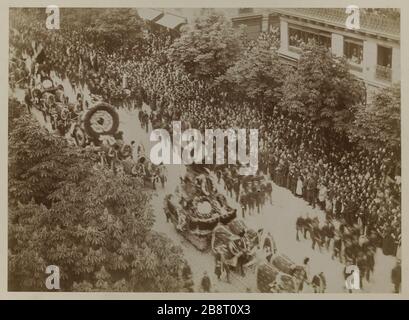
[208, 48]
[322, 89]
[378, 124]
[95, 225]
[258, 72]
[118, 27]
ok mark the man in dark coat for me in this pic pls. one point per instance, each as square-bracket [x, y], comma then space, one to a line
[325, 234]
[311, 191]
[243, 204]
[218, 265]
[370, 261]
[316, 283]
[205, 283]
[361, 263]
[28, 100]
[319, 283]
[316, 236]
[396, 276]
[269, 192]
[330, 235]
[337, 248]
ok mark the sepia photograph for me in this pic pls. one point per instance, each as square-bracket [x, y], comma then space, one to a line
[204, 150]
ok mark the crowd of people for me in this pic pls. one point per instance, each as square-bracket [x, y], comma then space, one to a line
[352, 185]
[65, 118]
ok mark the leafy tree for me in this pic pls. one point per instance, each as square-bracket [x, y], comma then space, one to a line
[20, 15]
[93, 224]
[377, 125]
[117, 28]
[322, 89]
[79, 18]
[113, 29]
[208, 48]
[258, 73]
[16, 109]
[38, 161]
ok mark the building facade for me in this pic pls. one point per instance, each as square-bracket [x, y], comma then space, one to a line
[372, 51]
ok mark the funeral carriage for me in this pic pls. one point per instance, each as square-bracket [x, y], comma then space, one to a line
[196, 208]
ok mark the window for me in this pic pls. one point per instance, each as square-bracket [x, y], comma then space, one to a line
[384, 67]
[384, 56]
[299, 35]
[353, 51]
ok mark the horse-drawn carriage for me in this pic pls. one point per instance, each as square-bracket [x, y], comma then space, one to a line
[236, 243]
[280, 274]
[196, 209]
[52, 102]
[95, 128]
[85, 125]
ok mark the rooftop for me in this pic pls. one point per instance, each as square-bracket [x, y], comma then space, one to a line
[384, 22]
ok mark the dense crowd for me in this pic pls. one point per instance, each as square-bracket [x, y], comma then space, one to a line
[350, 184]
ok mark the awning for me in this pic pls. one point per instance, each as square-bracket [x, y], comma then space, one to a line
[150, 14]
[171, 21]
[167, 20]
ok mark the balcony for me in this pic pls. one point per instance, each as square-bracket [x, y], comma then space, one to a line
[374, 23]
[294, 49]
[355, 66]
[383, 73]
[246, 10]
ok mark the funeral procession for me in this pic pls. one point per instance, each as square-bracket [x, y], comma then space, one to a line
[249, 150]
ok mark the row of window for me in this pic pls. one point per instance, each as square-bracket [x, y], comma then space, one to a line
[298, 36]
[353, 49]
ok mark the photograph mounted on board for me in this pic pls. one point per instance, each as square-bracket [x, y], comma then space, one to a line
[253, 150]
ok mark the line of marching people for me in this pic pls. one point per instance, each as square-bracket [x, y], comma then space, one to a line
[344, 242]
[251, 193]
